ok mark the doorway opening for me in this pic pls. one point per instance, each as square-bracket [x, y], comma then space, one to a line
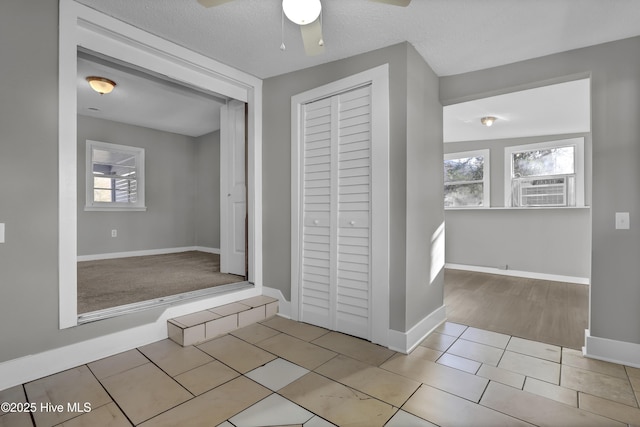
[82, 28]
[149, 232]
[519, 264]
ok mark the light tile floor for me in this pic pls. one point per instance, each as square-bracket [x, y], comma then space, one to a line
[279, 372]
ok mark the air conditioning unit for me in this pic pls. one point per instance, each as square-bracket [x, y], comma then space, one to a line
[547, 191]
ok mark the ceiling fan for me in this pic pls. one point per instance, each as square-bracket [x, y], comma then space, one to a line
[306, 14]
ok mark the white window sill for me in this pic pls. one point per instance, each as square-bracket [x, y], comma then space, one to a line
[503, 208]
[115, 208]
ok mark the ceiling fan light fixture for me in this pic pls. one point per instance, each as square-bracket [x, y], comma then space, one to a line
[488, 120]
[302, 12]
[101, 85]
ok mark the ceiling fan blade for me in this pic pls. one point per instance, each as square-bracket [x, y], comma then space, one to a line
[212, 3]
[311, 37]
[403, 3]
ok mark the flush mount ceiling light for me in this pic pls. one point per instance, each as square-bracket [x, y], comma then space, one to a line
[488, 121]
[302, 12]
[101, 85]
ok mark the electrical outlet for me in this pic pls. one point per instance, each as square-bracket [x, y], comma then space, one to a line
[114, 233]
[1, 232]
[622, 220]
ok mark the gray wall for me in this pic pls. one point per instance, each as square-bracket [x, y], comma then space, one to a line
[29, 188]
[548, 241]
[182, 184]
[169, 220]
[207, 206]
[615, 80]
[425, 198]
[408, 74]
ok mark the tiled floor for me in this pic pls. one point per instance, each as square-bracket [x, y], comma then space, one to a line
[279, 372]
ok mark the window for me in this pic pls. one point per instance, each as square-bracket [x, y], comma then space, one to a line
[466, 179]
[115, 177]
[545, 174]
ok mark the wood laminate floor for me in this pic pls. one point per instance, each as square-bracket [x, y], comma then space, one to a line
[539, 310]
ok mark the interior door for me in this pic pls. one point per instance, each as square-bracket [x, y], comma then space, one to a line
[233, 191]
[336, 206]
[353, 211]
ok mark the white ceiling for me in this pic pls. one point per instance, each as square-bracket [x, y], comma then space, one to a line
[453, 36]
[550, 110]
[144, 100]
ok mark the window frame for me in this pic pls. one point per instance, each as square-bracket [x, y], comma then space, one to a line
[577, 143]
[486, 175]
[90, 203]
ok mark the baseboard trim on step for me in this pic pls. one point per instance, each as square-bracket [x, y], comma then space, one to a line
[405, 342]
[520, 273]
[608, 350]
[147, 252]
[284, 306]
[29, 368]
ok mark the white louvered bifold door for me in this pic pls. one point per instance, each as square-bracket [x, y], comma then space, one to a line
[336, 205]
[353, 211]
[316, 206]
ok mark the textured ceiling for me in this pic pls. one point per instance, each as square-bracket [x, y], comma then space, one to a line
[557, 109]
[453, 36]
[145, 100]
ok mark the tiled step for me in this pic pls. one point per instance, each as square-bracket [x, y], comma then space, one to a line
[205, 325]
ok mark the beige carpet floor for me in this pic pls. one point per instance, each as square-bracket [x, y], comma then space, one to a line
[113, 282]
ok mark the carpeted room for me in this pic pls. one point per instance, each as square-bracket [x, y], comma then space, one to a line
[169, 243]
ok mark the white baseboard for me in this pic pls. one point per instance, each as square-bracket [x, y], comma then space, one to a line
[519, 273]
[620, 352]
[284, 306]
[405, 342]
[147, 252]
[207, 250]
[29, 368]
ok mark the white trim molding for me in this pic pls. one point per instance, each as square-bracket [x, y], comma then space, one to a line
[135, 153]
[284, 306]
[378, 78]
[206, 249]
[146, 252]
[81, 27]
[519, 273]
[406, 342]
[620, 352]
[31, 367]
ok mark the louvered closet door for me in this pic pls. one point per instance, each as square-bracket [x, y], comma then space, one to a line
[316, 205]
[336, 213]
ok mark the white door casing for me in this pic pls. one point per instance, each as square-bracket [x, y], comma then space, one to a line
[340, 251]
[233, 188]
[81, 26]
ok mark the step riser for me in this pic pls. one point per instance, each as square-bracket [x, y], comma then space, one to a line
[206, 325]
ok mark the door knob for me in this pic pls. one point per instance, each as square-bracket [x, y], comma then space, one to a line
[316, 222]
[352, 223]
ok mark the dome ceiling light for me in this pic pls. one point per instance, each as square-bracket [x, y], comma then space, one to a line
[101, 85]
[488, 120]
